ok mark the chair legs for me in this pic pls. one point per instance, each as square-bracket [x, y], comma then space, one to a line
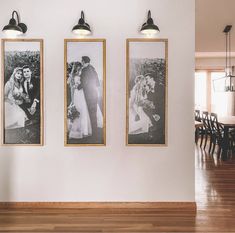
[206, 136]
[202, 137]
[213, 148]
[219, 152]
[196, 135]
[211, 143]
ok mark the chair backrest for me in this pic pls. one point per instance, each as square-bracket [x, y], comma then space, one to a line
[206, 120]
[197, 115]
[215, 125]
[214, 121]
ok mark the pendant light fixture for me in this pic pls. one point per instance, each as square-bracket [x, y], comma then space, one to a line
[82, 28]
[226, 83]
[14, 28]
[149, 28]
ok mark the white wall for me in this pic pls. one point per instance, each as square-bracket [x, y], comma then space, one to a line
[114, 172]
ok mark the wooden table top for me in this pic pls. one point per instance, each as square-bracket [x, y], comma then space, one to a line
[227, 121]
[198, 124]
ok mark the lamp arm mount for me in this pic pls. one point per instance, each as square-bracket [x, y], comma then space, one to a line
[82, 15]
[17, 15]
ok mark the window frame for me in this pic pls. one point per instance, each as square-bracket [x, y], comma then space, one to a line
[208, 71]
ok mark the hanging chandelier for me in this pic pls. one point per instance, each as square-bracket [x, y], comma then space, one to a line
[226, 83]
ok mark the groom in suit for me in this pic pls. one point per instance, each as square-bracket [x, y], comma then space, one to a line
[31, 87]
[90, 84]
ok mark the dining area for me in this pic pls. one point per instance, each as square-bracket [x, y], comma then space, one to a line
[215, 99]
[214, 113]
[215, 134]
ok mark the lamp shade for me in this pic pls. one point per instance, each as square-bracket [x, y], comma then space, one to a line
[149, 27]
[14, 28]
[82, 28]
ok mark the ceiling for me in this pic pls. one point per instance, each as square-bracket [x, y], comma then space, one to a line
[211, 18]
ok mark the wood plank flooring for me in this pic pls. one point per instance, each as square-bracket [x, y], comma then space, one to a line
[215, 196]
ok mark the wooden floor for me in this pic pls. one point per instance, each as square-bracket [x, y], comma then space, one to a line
[215, 196]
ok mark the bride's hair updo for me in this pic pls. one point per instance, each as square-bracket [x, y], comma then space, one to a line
[76, 68]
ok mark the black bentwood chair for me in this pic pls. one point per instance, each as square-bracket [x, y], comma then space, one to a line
[197, 115]
[198, 130]
[217, 131]
[206, 128]
[218, 135]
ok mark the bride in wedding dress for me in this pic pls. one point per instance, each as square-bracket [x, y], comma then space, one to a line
[81, 125]
[139, 122]
[15, 117]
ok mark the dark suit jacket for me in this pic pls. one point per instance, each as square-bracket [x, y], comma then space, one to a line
[89, 83]
[34, 92]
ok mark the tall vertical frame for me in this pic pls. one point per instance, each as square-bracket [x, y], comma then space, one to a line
[22, 92]
[85, 92]
[146, 92]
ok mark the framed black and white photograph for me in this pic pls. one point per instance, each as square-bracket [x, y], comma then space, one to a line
[22, 92]
[85, 70]
[146, 92]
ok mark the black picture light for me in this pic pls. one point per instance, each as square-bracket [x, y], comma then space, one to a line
[149, 27]
[82, 28]
[15, 28]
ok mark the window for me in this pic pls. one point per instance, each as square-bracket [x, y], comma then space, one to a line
[219, 100]
[206, 98]
[201, 90]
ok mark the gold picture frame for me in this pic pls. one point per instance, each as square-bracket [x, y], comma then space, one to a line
[22, 121]
[76, 133]
[146, 91]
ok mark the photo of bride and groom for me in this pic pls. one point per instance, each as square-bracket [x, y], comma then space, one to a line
[85, 121]
[22, 102]
[146, 93]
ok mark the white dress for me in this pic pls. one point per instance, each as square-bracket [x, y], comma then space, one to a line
[139, 122]
[81, 126]
[15, 117]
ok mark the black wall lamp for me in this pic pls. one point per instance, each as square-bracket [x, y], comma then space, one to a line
[82, 28]
[149, 28]
[15, 28]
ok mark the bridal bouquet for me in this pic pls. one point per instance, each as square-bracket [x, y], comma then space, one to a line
[146, 104]
[18, 97]
[72, 112]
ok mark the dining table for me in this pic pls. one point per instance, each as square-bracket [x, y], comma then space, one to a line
[198, 124]
[228, 123]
